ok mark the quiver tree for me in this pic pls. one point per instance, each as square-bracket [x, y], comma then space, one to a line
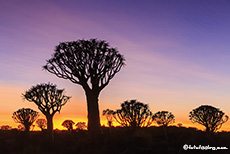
[210, 117]
[26, 117]
[81, 126]
[91, 64]
[163, 118]
[49, 100]
[68, 124]
[133, 114]
[180, 125]
[109, 116]
[41, 123]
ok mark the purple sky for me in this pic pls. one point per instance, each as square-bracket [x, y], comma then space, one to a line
[177, 52]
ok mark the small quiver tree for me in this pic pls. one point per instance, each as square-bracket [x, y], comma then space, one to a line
[210, 117]
[80, 126]
[133, 114]
[180, 125]
[109, 116]
[26, 117]
[68, 124]
[163, 118]
[41, 123]
[49, 100]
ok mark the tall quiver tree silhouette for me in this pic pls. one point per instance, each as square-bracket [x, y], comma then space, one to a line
[210, 117]
[49, 100]
[26, 117]
[91, 64]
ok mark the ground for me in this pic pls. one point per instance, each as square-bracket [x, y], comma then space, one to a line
[152, 140]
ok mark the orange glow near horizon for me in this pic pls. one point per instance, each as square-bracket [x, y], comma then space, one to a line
[76, 109]
[57, 121]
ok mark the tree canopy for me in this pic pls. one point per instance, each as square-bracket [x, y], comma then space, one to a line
[68, 124]
[85, 61]
[81, 126]
[163, 118]
[210, 117]
[41, 123]
[47, 97]
[25, 116]
[133, 114]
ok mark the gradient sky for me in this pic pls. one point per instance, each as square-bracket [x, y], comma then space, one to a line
[177, 53]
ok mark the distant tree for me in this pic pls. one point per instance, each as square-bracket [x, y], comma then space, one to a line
[210, 117]
[109, 116]
[179, 124]
[91, 64]
[163, 118]
[133, 114]
[81, 126]
[6, 127]
[68, 124]
[49, 100]
[26, 117]
[41, 123]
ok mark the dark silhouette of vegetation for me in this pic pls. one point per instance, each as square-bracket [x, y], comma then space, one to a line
[109, 116]
[133, 114]
[81, 126]
[180, 125]
[21, 127]
[163, 118]
[26, 117]
[49, 100]
[210, 117]
[91, 64]
[120, 140]
[41, 123]
[68, 124]
[6, 127]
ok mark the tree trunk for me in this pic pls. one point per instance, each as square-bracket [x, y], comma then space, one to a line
[207, 129]
[49, 119]
[27, 128]
[94, 125]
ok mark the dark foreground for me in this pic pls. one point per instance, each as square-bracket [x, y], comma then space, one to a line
[153, 140]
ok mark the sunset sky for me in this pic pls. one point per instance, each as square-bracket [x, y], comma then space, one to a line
[177, 53]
